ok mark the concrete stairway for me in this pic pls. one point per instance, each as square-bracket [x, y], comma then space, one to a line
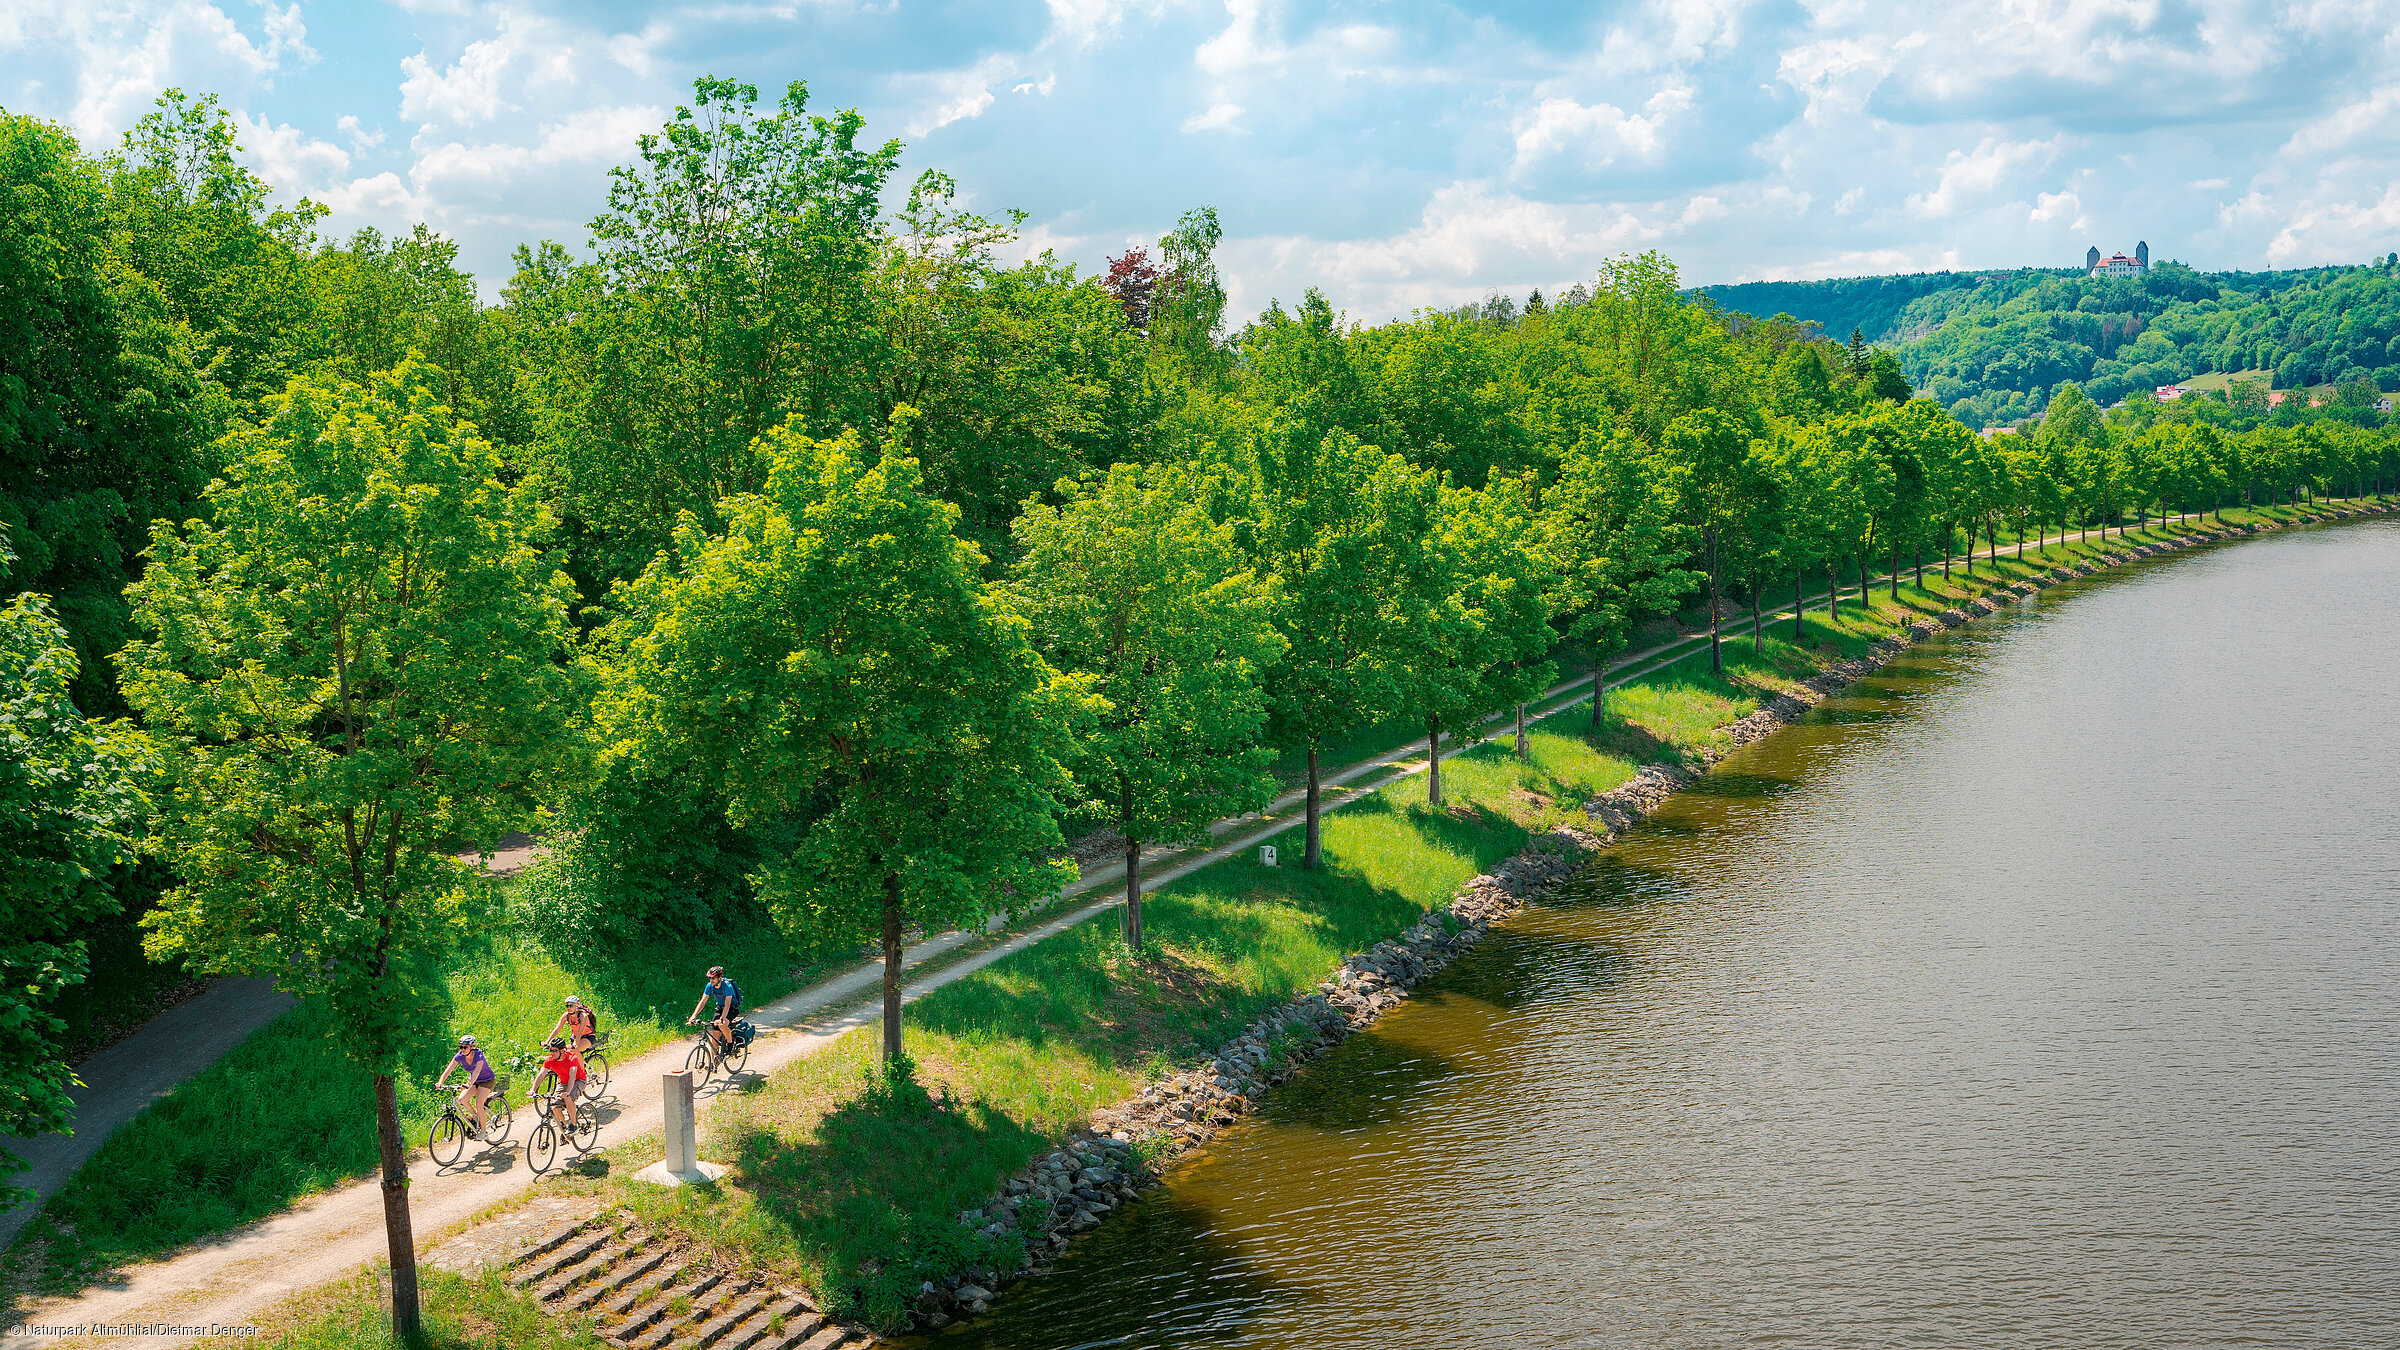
[649, 1291]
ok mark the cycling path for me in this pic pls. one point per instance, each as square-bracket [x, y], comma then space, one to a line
[240, 1275]
[121, 1080]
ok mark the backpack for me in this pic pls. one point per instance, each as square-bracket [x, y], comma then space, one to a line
[743, 1031]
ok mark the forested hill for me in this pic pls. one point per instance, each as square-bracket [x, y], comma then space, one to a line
[1992, 345]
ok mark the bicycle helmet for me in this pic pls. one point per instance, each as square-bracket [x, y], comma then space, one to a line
[465, 1041]
[554, 1043]
[573, 1001]
[715, 971]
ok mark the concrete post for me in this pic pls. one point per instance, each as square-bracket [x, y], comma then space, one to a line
[682, 1120]
[683, 1143]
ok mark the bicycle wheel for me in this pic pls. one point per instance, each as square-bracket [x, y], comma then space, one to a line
[596, 1067]
[541, 1146]
[447, 1140]
[498, 1119]
[544, 1083]
[700, 1063]
[737, 1058]
[587, 1129]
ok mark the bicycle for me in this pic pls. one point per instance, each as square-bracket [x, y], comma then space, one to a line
[446, 1138]
[595, 1071]
[707, 1059]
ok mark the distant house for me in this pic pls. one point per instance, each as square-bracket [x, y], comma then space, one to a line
[2275, 397]
[1990, 432]
[2169, 392]
[2117, 264]
[2384, 404]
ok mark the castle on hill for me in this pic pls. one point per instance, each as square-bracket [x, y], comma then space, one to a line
[2118, 265]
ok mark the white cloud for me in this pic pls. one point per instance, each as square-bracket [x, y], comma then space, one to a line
[1563, 132]
[290, 158]
[2210, 184]
[1971, 174]
[2052, 205]
[1218, 117]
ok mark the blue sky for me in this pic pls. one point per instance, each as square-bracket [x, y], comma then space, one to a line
[1395, 155]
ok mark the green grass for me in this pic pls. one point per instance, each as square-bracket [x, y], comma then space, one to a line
[460, 1313]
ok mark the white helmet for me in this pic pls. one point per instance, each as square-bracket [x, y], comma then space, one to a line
[466, 1041]
[574, 1002]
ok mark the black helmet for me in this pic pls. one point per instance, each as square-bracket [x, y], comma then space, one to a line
[554, 1043]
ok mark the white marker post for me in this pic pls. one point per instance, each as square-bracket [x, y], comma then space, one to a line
[682, 1163]
[1266, 855]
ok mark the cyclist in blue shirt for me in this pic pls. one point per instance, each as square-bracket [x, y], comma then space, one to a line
[728, 998]
[480, 1078]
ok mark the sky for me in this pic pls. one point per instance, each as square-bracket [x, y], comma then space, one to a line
[1392, 155]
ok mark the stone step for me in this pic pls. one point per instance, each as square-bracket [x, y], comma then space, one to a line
[568, 1277]
[623, 1302]
[728, 1315]
[825, 1339]
[645, 1257]
[550, 1240]
[776, 1321]
[641, 1321]
[802, 1326]
[563, 1255]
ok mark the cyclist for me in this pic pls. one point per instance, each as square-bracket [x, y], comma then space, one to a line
[478, 1089]
[567, 1067]
[579, 1023]
[728, 996]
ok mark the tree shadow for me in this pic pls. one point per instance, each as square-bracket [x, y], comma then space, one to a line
[1195, 1287]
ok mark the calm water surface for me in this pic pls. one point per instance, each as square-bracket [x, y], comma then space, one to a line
[2041, 993]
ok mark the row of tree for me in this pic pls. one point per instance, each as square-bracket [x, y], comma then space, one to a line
[781, 556]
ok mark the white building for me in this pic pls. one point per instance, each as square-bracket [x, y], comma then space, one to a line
[2117, 264]
[2167, 393]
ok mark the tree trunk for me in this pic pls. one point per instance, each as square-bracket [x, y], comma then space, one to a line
[1758, 618]
[891, 967]
[1833, 590]
[1799, 606]
[1895, 573]
[408, 1327]
[1946, 535]
[1524, 747]
[1920, 557]
[1433, 761]
[1599, 691]
[1862, 576]
[1716, 657]
[1309, 849]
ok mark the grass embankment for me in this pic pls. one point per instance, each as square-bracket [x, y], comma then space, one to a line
[286, 1114]
[852, 1186]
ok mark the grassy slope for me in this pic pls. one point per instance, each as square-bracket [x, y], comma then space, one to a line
[460, 1314]
[833, 1174]
[853, 1189]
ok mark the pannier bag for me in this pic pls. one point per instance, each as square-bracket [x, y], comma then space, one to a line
[743, 1031]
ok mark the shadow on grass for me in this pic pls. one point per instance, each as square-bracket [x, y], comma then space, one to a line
[877, 1187]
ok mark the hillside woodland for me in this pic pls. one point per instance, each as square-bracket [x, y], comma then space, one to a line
[1993, 347]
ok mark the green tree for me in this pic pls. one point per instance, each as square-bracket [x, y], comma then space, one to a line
[70, 808]
[879, 720]
[104, 422]
[729, 292]
[1612, 527]
[1130, 584]
[1342, 527]
[1472, 638]
[364, 657]
[1711, 449]
[1187, 310]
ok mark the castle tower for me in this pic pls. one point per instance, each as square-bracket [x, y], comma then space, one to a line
[2091, 260]
[2141, 254]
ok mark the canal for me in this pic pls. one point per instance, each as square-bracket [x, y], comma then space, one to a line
[2039, 992]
